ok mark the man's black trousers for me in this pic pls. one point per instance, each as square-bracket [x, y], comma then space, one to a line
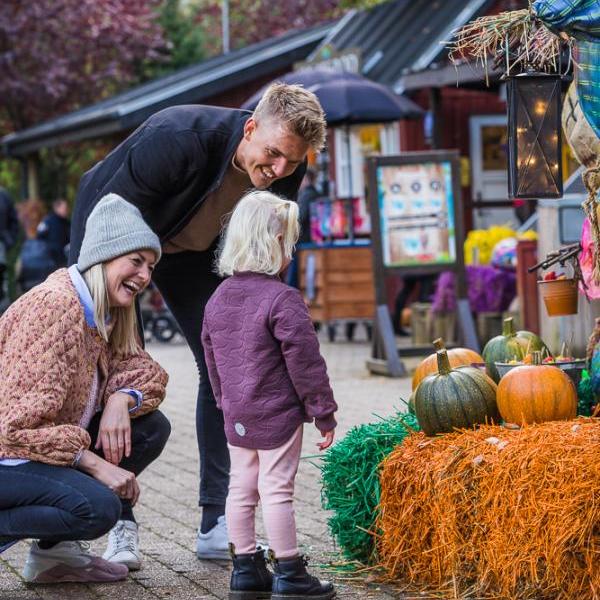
[187, 280]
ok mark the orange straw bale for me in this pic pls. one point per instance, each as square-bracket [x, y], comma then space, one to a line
[496, 512]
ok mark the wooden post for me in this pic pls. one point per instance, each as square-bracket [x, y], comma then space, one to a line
[527, 289]
[33, 178]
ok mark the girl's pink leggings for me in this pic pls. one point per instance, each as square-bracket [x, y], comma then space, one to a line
[267, 475]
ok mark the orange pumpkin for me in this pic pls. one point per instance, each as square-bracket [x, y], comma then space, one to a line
[536, 393]
[458, 357]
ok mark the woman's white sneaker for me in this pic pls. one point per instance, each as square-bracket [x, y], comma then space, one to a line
[124, 546]
[69, 562]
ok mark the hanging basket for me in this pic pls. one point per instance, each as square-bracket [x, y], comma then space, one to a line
[560, 296]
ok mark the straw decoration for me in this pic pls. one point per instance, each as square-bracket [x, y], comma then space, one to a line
[350, 480]
[495, 512]
[517, 40]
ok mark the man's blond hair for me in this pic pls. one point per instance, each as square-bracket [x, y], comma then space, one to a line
[298, 108]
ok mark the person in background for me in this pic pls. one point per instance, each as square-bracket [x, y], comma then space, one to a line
[9, 234]
[269, 378]
[55, 230]
[426, 285]
[35, 262]
[78, 405]
[308, 192]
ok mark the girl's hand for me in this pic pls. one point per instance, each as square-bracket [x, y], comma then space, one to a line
[328, 435]
[123, 483]
[114, 433]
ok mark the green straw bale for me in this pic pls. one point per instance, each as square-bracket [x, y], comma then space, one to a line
[350, 481]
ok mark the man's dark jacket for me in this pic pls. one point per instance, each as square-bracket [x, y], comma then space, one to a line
[167, 167]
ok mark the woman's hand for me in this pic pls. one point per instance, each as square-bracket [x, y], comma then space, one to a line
[114, 432]
[123, 483]
[328, 435]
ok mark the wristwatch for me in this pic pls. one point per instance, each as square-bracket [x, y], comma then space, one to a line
[138, 399]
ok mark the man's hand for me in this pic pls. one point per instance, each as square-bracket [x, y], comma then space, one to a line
[114, 433]
[328, 435]
[123, 483]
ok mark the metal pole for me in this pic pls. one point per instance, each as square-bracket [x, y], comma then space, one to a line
[350, 207]
[225, 25]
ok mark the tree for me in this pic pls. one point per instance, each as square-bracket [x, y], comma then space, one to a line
[255, 20]
[184, 39]
[251, 21]
[56, 55]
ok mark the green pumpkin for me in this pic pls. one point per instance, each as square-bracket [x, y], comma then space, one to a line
[508, 346]
[411, 404]
[455, 398]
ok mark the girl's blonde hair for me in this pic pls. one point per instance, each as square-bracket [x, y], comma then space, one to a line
[261, 234]
[123, 337]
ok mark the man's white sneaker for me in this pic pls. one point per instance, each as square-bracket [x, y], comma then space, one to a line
[123, 545]
[214, 545]
[69, 561]
[6, 543]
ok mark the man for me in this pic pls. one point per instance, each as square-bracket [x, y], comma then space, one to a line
[9, 233]
[55, 231]
[185, 168]
[308, 192]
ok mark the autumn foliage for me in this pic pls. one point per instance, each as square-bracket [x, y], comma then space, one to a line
[56, 55]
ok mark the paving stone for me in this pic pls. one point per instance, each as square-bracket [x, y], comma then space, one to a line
[18, 595]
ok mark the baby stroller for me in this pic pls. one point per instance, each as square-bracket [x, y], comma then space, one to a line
[159, 323]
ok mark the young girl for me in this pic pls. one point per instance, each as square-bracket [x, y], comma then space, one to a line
[268, 378]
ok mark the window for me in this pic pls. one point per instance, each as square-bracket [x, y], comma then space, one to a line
[352, 146]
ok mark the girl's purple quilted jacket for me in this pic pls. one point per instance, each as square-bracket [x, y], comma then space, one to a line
[263, 361]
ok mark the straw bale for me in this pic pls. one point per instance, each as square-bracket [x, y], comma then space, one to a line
[495, 512]
[350, 479]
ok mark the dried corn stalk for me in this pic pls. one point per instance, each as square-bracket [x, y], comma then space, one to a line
[515, 40]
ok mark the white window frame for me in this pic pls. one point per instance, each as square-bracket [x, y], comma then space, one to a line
[490, 184]
[345, 161]
[390, 139]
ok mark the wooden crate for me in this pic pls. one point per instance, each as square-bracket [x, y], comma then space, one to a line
[343, 283]
[427, 326]
[489, 325]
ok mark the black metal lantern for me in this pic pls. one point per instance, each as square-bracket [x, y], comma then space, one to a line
[534, 136]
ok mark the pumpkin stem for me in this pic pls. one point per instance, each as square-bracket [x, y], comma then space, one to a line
[508, 327]
[536, 357]
[439, 344]
[443, 362]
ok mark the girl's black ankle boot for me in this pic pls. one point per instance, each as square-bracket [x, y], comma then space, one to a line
[250, 578]
[291, 581]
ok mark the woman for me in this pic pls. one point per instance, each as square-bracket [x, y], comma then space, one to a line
[78, 399]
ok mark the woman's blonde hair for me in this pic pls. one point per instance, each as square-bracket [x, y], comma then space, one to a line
[260, 235]
[123, 336]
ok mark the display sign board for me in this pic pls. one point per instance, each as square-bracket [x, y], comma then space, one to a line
[417, 228]
[416, 208]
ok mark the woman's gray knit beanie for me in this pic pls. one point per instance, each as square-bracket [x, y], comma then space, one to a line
[115, 227]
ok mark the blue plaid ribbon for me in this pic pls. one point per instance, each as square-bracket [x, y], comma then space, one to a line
[580, 19]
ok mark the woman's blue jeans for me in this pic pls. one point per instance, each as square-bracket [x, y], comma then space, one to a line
[54, 504]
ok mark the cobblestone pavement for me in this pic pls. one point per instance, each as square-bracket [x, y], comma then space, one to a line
[168, 512]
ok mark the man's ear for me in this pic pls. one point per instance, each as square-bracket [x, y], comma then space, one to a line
[249, 128]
